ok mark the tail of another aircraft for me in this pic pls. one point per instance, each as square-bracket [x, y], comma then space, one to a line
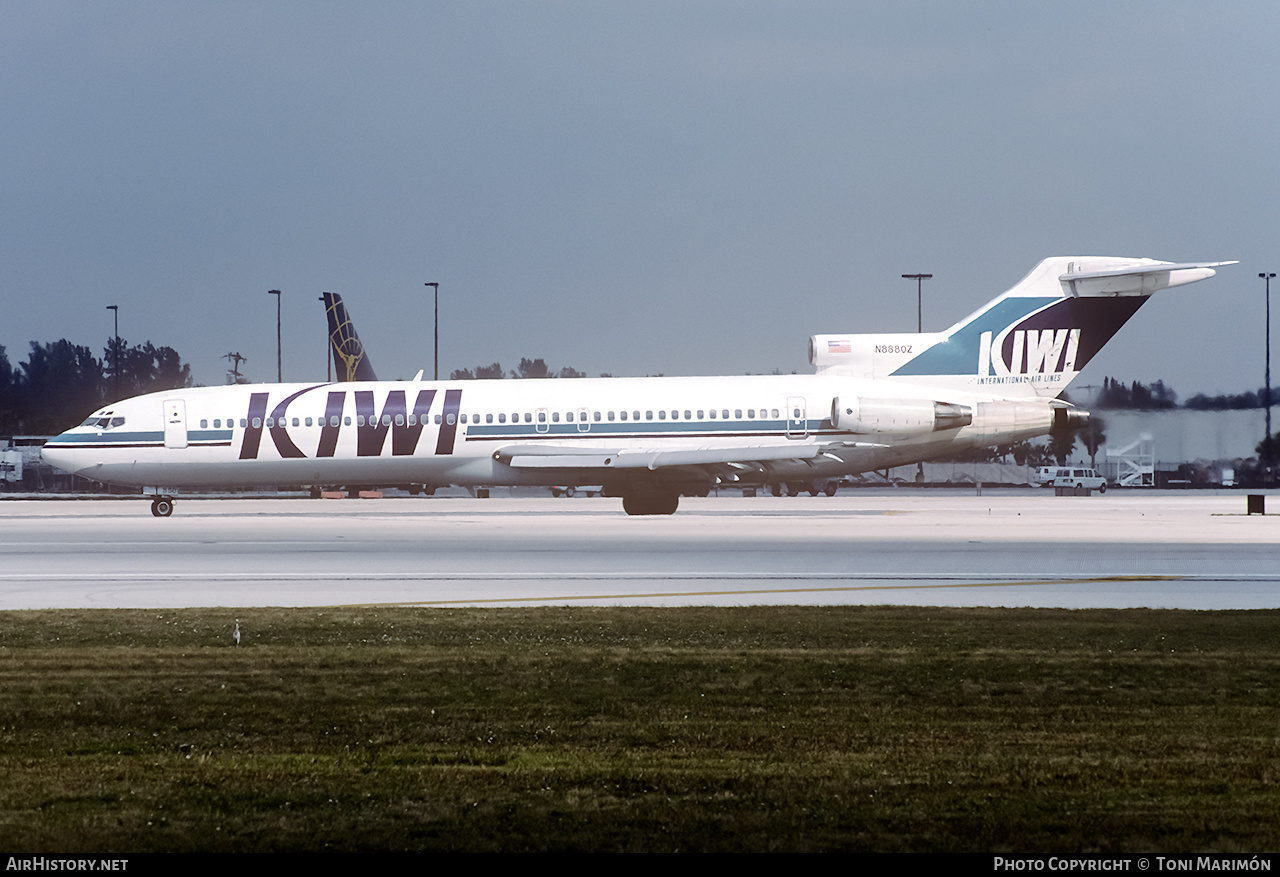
[1031, 341]
[349, 360]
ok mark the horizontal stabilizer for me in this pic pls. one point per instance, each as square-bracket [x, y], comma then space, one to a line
[1137, 279]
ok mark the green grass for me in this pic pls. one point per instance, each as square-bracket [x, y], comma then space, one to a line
[783, 728]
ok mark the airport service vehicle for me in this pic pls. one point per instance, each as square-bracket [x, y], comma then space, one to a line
[1067, 476]
[875, 401]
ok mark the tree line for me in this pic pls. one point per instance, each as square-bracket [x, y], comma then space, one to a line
[60, 383]
[528, 368]
[1158, 397]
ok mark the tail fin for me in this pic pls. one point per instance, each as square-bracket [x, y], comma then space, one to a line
[1031, 341]
[349, 360]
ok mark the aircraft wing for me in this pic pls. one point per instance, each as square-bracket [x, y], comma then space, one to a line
[568, 457]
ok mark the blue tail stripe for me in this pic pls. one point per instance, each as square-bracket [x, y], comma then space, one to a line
[958, 354]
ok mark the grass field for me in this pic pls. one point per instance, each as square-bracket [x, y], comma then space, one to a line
[771, 728]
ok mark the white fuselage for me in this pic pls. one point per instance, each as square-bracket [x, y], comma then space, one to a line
[487, 433]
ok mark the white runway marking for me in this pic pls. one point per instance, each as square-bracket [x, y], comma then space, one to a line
[1015, 548]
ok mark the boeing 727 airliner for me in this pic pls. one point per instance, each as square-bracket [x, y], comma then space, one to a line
[875, 401]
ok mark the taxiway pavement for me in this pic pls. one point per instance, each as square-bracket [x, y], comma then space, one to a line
[907, 547]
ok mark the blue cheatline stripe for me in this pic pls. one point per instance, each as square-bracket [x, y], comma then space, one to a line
[107, 439]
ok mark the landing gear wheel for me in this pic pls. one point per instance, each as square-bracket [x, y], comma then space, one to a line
[650, 503]
[162, 506]
[830, 489]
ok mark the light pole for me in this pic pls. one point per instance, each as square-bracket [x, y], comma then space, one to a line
[436, 287]
[115, 348]
[279, 366]
[1266, 441]
[919, 279]
[328, 374]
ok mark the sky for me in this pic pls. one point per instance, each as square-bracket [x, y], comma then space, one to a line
[631, 188]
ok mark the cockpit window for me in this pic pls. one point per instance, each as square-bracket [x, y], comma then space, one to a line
[104, 421]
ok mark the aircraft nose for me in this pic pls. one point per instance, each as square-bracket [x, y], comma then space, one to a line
[57, 453]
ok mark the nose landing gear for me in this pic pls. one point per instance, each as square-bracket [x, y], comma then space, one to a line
[162, 506]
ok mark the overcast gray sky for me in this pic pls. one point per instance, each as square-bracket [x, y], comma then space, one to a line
[634, 188]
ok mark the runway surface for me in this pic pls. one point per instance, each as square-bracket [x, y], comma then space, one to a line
[908, 547]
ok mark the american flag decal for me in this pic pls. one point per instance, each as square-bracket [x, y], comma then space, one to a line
[841, 346]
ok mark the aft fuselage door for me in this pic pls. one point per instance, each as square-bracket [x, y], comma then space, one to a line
[797, 417]
[175, 423]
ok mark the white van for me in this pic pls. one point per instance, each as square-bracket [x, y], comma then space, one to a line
[1070, 476]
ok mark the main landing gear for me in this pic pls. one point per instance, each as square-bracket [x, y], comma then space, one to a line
[646, 503]
[162, 506]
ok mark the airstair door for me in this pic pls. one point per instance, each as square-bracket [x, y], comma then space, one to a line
[175, 423]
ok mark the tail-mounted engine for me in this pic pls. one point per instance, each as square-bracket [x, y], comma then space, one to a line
[1069, 419]
[862, 415]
